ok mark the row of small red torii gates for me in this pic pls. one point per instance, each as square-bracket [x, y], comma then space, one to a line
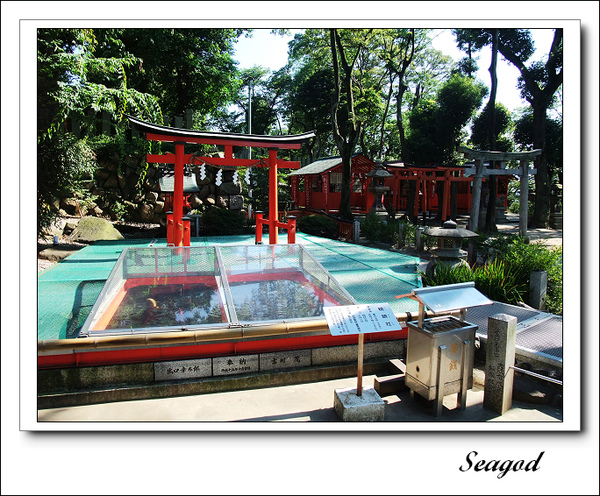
[178, 227]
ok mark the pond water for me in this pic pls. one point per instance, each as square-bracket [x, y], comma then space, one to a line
[168, 305]
[165, 288]
[279, 299]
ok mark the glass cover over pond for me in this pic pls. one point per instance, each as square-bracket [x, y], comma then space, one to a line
[159, 289]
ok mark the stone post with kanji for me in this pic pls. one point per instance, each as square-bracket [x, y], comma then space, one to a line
[499, 360]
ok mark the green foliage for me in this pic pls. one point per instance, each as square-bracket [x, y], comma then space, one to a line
[309, 104]
[523, 135]
[506, 274]
[62, 164]
[318, 225]
[458, 99]
[447, 274]
[410, 231]
[182, 68]
[117, 149]
[499, 281]
[436, 126]
[528, 257]
[378, 231]
[260, 188]
[223, 222]
[524, 257]
[75, 84]
[496, 280]
[538, 82]
[503, 124]
[118, 210]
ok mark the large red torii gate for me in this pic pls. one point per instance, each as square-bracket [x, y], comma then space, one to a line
[181, 137]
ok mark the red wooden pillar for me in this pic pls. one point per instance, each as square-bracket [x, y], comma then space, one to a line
[259, 224]
[273, 198]
[291, 230]
[170, 228]
[187, 234]
[178, 196]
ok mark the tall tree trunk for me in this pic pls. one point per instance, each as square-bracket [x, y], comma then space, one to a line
[543, 190]
[385, 114]
[346, 134]
[540, 100]
[490, 216]
[404, 152]
[345, 205]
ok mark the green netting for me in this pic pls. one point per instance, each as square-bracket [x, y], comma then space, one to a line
[370, 275]
[68, 290]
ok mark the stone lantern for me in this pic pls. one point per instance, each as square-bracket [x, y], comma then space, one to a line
[448, 251]
[377, 186]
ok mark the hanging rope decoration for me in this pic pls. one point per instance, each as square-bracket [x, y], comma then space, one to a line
[247, 176]
[219, 179]
[202, 172]
[235, 177]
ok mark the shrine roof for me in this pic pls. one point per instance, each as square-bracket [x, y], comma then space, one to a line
[176, 134]
[327, 163]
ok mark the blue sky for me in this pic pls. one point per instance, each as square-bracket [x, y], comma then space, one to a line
[270, 51]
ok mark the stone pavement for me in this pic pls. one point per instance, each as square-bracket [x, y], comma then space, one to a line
[310, 402]
[550, 237]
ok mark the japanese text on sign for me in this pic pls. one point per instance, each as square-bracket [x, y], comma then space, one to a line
[361, 319]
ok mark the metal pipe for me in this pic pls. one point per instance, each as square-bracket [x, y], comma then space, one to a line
[539, 376]
[233, 331]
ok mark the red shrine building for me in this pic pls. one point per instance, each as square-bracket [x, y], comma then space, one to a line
[317, 187]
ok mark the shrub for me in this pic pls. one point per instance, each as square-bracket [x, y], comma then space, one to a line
[223, 222]
[378, 231]
[496, 280]
[318, 225]
[446, 274]
[506, 274]
[61, 164]
[499, 282]
[527, 257]
[410, 232]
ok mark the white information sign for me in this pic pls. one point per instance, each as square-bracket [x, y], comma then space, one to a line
[361, 319]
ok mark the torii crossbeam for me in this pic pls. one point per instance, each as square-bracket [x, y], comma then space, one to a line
[181, 137]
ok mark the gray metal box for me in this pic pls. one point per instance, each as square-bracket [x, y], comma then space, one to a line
[436, 353]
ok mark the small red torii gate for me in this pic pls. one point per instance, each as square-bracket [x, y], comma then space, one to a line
[181, 137]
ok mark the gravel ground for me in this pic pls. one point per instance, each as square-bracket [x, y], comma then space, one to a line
[43, 264]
